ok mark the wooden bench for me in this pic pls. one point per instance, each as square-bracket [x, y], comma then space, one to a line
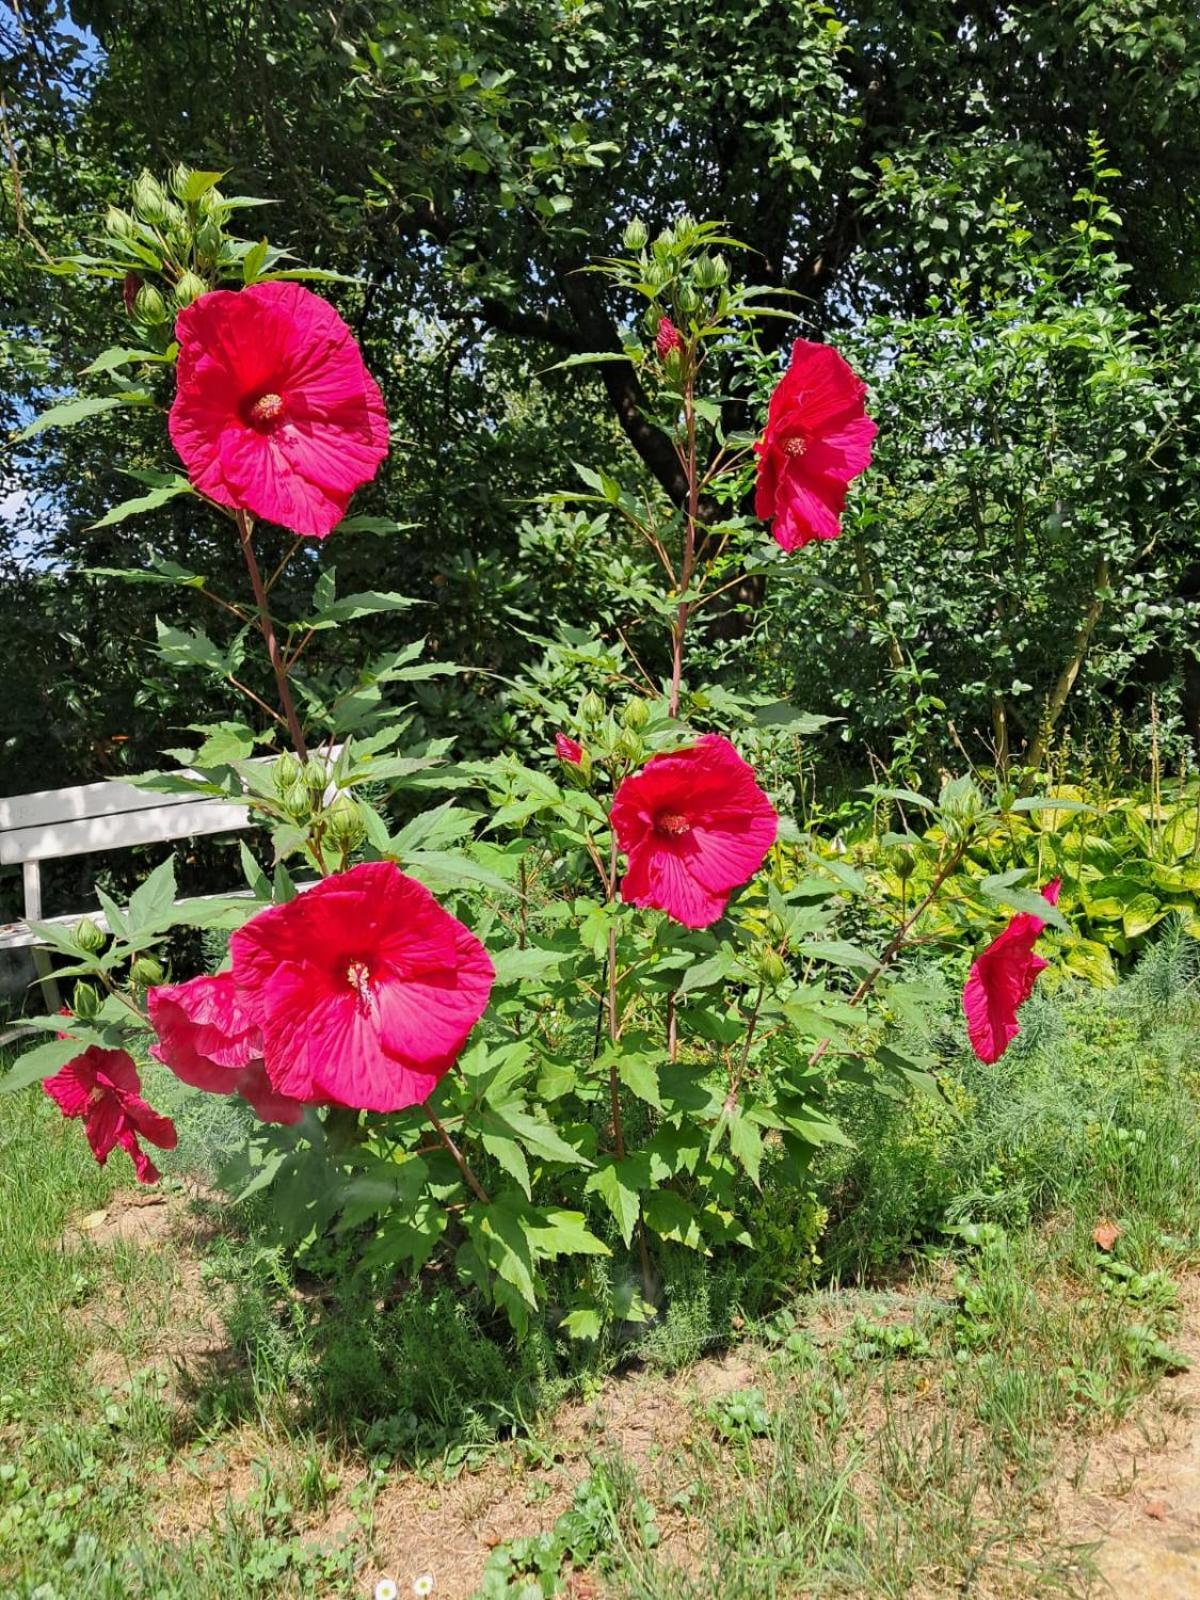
[54, 823]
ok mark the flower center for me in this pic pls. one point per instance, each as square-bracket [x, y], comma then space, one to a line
[795, 446]
[671, 823]
[267, 409]
[359, 976]
[95, 1095]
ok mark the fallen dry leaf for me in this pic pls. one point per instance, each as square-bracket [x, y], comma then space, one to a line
[1105, 1234]
[94, 1220]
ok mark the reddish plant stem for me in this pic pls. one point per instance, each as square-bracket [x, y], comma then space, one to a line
[897, 942]
[689, 545]
[460, 1160]
[267, 628]
[614, 1081]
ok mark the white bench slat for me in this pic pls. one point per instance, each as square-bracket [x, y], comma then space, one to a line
[48, 841]
[102, 799]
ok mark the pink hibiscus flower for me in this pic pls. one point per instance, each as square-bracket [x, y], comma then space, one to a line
[274, 411]
[568, 749]
[1002, 979]
[695, 826]
[364, 988]
[206, 1037]
[818, 438]
[102, 1087]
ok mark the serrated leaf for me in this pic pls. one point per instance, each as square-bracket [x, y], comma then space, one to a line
[620, 1185]
[43, 1061]
[70, 412]
[225, 742]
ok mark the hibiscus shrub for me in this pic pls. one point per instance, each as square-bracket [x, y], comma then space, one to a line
[531, 1020]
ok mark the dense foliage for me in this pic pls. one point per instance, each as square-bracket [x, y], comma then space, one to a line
[996, 205]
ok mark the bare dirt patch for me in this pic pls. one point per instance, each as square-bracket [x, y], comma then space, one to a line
[1139, 1494]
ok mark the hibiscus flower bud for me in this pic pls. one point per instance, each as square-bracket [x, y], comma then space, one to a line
[710, 272]
[90, 936]
[180, 178]
[149, 306]
[129, 289]
[190, 287]
[568, 749]
[591, 708]
[288, 771]
[149, 200]
[316, 777]
[85, 1002]
[209, 240]
[667, 340]
[902, 862]
[772, 968]
[636, 234]
[119, 224]
[346, 823]
[689, 300]
[635, 715]
[629, 745]
[146, 972]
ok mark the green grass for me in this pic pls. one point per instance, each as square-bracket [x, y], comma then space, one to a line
[902, 1428]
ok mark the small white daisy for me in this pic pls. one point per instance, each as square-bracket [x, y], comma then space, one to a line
[387, 1589]
[423, 1585]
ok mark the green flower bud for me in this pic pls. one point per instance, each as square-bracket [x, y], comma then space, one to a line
[149, 200]
[209, 239]
[772, 967]
[591, 707]
[635, 715]
[636, 234]
[629, 745]
[705, 274]
[316, 777]
[689, 300]
[180, 178]
[146, 971]
[902, 862]
[149, 306]
[190, 287]
[288, 771]
[85, 1002]
[90, 936]
[346, 824]
[119, 224]
[296, 799]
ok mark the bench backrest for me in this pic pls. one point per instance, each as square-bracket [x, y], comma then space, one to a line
[106, 816]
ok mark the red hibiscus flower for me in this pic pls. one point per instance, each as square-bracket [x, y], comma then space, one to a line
[1001, 980]
[818, 438]
[103, 1088]
[568, 749]
[275, 412]
[695, 826]
[207, 1039]
[364, 988]
[667, 338]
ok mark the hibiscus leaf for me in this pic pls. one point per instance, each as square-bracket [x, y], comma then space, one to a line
[553, 1231]
[1000, 891]
[669, 1215]
[367, 604]
[152, 902]
[142, 502]
[499, 1142]
[365, 524]
[70, 412]
[119, 356]
[582, 1323]
[620, 1185]
[746, 1143]
[514, 965]
[538, 1137]
[840, 953]
[35, 1065]
[438, 869]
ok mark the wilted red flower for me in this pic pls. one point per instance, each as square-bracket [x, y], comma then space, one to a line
[568, 749]
[667, 338]
[1002, 979]
[102, 1087]
[274, 411]
[695, 826]
[206, 1037]
[130, 285]
[818, 438]
[364, 987]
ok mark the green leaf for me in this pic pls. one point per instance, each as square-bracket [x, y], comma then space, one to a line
[746, 1143]
[119, 356]
[152, 902]
[353, 606]
[43, 1061]
[506, 1151]
[70, 412]
[365, 524]
[582, 1323]
[257, 879]
[189, 649]
[254, 260]
[538, 1137]
[226, 742]
[198, 184]
[620, 1185]
[670, 1216]
[706, 973]
[143, 502]
[517, 966]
